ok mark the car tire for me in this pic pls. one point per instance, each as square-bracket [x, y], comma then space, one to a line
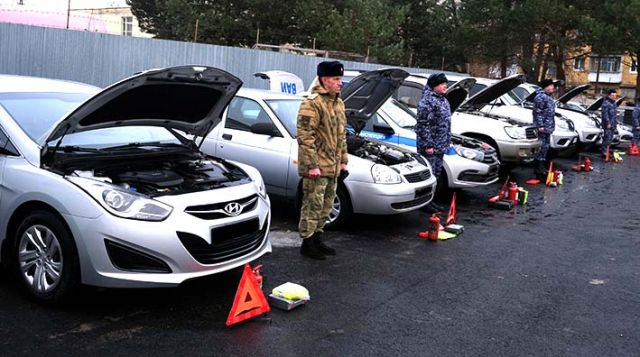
[342, 209]
[45, 258]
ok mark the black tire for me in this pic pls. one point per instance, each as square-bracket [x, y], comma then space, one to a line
[345, 209]
[60, 258]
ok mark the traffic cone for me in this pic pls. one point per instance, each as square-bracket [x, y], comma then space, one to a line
[451, 217]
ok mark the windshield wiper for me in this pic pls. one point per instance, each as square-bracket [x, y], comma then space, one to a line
[140, 145]
[410, 127]
[75, 148]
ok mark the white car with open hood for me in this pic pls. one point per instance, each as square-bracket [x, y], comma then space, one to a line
[105, 188]
[259, 129]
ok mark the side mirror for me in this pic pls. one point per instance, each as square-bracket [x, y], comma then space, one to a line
[383, 129]
[265, 129]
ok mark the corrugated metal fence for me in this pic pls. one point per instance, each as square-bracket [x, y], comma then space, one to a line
[101, 59]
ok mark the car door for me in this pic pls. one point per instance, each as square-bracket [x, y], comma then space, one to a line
[6, 149]
[270, 154]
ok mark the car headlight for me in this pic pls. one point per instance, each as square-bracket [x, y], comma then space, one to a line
[384, 174]
[469, 153]
[562, 124]
[515, 132]
[122, 203]
[262, 190]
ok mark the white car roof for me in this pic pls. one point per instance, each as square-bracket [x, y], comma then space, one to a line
[264, 94]
[24, 84]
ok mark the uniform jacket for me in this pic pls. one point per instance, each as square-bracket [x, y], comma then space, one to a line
[544, 111]
[635, 117]
[433, 127]
[322, 137]
[609, 113]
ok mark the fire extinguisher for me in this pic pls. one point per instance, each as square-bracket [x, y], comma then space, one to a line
[587, 165]
[513, 193]
[257, 273]
[434, 226]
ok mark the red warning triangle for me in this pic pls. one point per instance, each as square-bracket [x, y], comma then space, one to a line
[249, 301]
[451, 217]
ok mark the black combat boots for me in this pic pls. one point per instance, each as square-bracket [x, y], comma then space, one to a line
[321, 246]
[310, 249]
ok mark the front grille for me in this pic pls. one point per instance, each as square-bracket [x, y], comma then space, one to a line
[129, 259]
[228, 242]
[423, 195]
[490, 159]
[474, 176]
[532, 133]
[418, 176]
[216, 210]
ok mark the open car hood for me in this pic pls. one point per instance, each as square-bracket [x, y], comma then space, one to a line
[572, 93]
[366, 93]
[493, 92]
[595, 105]
[186, 98]
[457, 93]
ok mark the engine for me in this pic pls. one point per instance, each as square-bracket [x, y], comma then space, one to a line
[376, 152]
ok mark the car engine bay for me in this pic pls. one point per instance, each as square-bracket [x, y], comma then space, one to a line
[376, 152]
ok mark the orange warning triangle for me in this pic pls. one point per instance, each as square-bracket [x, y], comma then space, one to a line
[249, 301]
[451, 217]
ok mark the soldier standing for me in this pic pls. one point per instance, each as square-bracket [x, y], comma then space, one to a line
[635, 122]
[433, 127]
[609, 119]
[544, 111]
[322, 155]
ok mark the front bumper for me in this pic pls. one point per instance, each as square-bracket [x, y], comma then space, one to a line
[562, 140]
[589, 135]
[466, 173]
[188, 246]
[374, 198]
[517, 150]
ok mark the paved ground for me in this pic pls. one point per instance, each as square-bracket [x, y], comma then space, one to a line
[559, 277]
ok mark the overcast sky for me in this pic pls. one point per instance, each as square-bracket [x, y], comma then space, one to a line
[60, 5]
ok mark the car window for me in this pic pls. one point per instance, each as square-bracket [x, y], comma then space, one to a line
[409, 94]
[287, 112]
[476, 88]
[36, 113]
[375, 119]
[121, 135]
[243, 113]
[400, 113]
[521, 92]
[6, 147]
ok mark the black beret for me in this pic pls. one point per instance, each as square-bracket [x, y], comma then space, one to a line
[436, 79]
[330, 69]
[546, 82]
[610, 91]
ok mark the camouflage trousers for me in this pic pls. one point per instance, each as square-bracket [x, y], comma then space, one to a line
[317, 200]
[607, 138]
[545, 143]
[436, 163]
[636, 136]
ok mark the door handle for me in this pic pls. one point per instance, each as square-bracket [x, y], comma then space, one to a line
[227, 136]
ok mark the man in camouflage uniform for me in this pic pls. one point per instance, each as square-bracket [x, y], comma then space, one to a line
[635, 122]
[433, 126]
[609, 119]
[322, 155]
[544, 111]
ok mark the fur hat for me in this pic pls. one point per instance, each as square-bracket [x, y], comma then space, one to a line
[330, 69]
[546, 82]
[611, 91]
[436, 79]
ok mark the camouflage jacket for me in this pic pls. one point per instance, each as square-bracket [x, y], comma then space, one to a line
[433, 126]
[609, 113]
[322, 136]
[635, 117]
[544, 111]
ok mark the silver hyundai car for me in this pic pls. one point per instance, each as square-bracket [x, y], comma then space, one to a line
[105, 187]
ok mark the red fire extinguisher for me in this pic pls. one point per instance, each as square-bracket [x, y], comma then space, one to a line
[513, 193]
[587, 165]
[434, 226]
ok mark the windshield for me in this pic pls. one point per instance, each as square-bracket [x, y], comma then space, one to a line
[36, 113]
[399, 113]
[287, 112]
[117, 136]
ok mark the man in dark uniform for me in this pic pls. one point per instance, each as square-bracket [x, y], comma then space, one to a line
[635, 122]
[544, 111]
[322, 155]
[609, 119]
[433, 127]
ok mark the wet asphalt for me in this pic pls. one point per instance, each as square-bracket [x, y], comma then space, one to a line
[557, 277]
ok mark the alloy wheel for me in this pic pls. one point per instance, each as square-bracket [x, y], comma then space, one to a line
[40, 258]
